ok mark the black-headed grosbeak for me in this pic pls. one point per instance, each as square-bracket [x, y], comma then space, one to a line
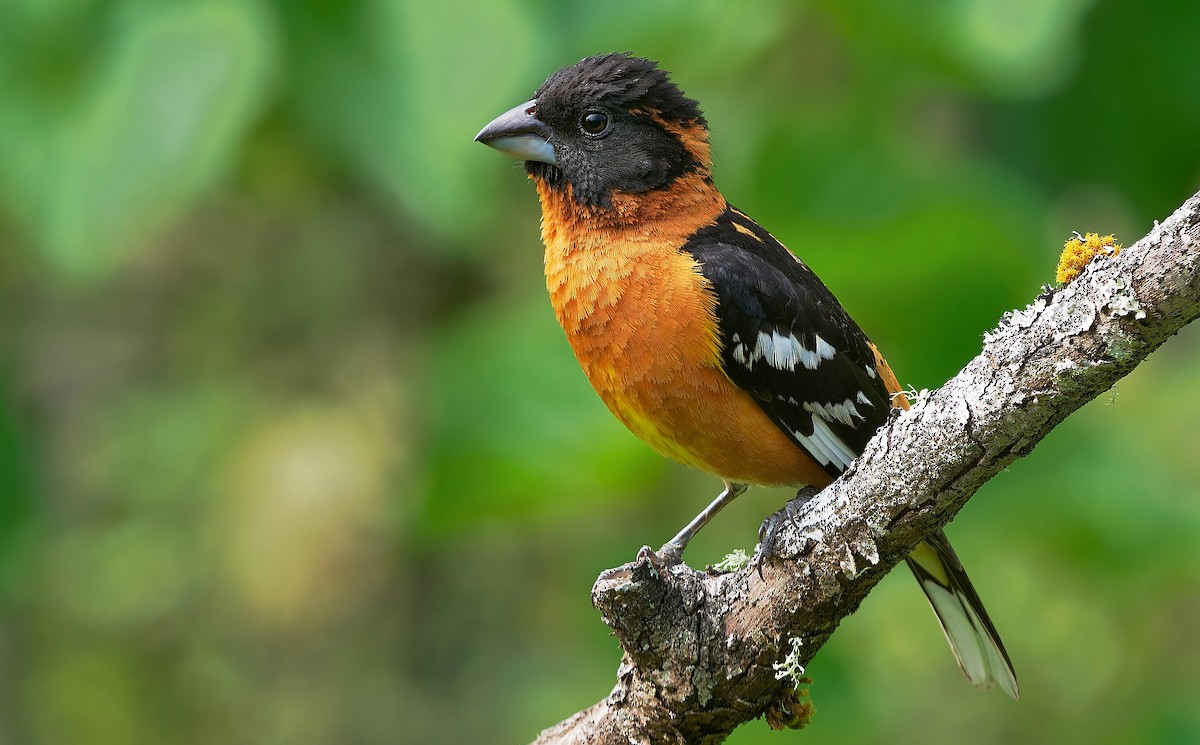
[700, 331]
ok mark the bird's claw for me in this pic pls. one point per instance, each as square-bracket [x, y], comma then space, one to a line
[663, 559]
[768, 532]
[660, 561]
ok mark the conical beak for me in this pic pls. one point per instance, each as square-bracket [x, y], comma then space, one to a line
[520, 134]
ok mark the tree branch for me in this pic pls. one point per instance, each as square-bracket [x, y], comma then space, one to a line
[699, 648]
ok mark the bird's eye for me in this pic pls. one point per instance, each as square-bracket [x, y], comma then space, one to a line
[594, 123]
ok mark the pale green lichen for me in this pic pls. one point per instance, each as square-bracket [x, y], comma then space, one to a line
[789, 666]
[793, 708]
[911, 396]
[732, 562]
[1122, 301]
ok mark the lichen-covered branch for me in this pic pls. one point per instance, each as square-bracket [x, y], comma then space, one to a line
[699, 648]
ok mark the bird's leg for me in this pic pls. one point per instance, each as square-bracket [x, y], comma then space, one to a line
[672, 550]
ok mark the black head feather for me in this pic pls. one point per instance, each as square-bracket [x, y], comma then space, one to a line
[640, 149]
[621, 80]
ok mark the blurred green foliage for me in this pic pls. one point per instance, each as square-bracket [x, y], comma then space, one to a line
[292, 451]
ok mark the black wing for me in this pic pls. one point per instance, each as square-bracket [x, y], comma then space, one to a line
[788, 342]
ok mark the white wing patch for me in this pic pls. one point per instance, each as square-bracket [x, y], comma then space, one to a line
[785, 352]
[842, 455]
[782, 352]
[814, 448]
[739, 349]
[845, 412]
[824, 350]
[824, 446]
[809, 358]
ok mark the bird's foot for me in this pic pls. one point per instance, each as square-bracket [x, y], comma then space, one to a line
[768, 533]
[670, 555]
[661, 561]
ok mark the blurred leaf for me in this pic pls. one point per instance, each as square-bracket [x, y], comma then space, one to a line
[520, 431]
[157, 447]
[400, 99]
[1006, 48]
[128, 574]
[747, 28]
[16, 479]
[94, 168]
[89, 693]
[1098, 132]
[1014, 47]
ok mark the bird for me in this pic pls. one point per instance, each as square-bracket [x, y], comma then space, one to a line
[700, 331]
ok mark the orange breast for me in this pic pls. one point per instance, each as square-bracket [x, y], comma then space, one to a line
[641, 320]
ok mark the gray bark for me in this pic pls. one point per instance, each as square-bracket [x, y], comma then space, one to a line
[699, 647]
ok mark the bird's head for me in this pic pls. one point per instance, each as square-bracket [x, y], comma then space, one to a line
[609, 124]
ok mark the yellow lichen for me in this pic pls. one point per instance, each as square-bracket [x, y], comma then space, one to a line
[1079, 251]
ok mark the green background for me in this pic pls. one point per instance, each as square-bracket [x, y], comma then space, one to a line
[292, 450]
